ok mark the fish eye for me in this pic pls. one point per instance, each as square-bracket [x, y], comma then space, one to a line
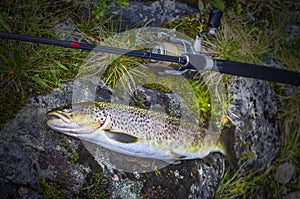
[67, 109]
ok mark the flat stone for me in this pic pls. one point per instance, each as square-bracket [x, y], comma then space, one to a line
[292, 195]
[17, 171]
[285, 173]
[17, 167]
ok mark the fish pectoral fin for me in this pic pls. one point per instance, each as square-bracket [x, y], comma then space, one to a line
[121, 137]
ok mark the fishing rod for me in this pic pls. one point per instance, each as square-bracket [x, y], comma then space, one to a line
[188, 56]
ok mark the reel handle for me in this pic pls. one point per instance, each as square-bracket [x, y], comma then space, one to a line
[214, 19]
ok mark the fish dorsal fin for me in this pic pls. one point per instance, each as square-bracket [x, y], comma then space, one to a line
[121, 137]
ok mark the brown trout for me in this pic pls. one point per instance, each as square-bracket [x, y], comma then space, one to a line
[137, 132]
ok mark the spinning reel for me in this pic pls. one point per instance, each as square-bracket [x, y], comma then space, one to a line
[169, 44]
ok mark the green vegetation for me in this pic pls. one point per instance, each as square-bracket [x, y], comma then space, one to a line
[28, 69]
[51, 190]
[266, 35]
[96, 187]
[102, 6]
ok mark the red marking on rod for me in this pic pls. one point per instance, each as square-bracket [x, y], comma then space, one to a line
[75, 45]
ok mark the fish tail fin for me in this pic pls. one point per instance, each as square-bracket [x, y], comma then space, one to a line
[226, 140]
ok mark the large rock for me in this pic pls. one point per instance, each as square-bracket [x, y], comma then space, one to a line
[52, 156]
[252, 109]
[51, 153]
[18, 175]
[152, 13]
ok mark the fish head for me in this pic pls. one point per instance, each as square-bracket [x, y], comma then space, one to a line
[77, 120]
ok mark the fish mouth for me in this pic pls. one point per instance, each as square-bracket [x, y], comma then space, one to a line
[62, 123]
[55, 116]
[65, 124]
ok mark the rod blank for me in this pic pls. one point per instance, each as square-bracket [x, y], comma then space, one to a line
[223, 66]
[258, 72]
[105, 49]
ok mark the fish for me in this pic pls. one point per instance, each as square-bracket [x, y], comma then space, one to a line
[138, 132]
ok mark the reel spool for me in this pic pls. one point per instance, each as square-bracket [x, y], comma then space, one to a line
[169, 45]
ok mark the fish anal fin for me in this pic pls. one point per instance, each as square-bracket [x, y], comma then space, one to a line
[173, 161]
[209, 159]
[121, 137]
[175, 158]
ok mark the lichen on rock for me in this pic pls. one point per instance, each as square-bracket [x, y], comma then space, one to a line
[252, 109]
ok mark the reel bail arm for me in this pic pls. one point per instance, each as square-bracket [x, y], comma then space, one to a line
[213, 23]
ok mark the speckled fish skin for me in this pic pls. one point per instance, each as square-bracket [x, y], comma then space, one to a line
[133, 131]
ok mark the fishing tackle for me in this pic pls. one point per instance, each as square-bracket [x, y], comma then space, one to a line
[181, 55]
[171, 45]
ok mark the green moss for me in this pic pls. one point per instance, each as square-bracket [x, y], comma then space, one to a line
[190, 25]
[158, 87]
[157, 172]
[10, 103]
[296, 43]
[96, 187]
[73, 154]
[50, 191]
[74, 157]
[203, 99]
[131, 188]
